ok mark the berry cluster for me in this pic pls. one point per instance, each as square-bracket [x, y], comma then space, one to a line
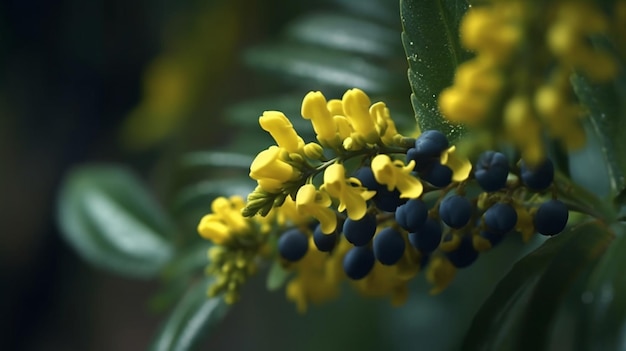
[446, 224]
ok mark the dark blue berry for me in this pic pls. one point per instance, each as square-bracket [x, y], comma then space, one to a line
[428, 237]
[465, 254]
[360, 232]
[324, 242]
[431, 143]
[455, 211]
[500, 218]
[412, 215]
[358, 262]
[493, 238]
[428, 148]
[492, 169]
[437, 175]
[388, 246]
[293, 245]
[366, 176]
[424, 261]
[551, 217]
[387, 200]
[540, 177]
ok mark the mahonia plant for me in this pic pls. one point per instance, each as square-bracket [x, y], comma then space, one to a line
[367, 204]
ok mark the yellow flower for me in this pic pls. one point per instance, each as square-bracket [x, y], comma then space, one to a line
[270, 171]
[224, 221]
[314, 108]
[386, 128]
[316, 203]
[396, 175]
[460, 166]
[281, 129]
[524, 223]
[440, 273]
[351, 198]
[356, 106]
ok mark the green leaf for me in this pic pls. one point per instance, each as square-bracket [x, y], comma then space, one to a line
[519, 313]
[277, 276]
[603, 302]
[607, 113]
[109, 218]
[433, 50]
[321, 68]
[205, 191]
[191, 320]
[345, 33]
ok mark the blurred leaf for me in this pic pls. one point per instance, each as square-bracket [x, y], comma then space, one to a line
[205, 191]
[277, 276]
[431, 43]
[521, 309]
[107, 215]
[345, 33]
[607, 113]
[383, 10]
[603, 302]
[582, 200]
[216, 159]
[321, 67]
[191, 320]
[247, 113]
[194, 259]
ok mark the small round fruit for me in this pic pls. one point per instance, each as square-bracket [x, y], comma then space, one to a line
[492, 169]
[412, 215]
[428, 237]
[386, 200]
[540, 177]
[366, 176]
[500, 218]
[493, 238]
[455, 211]
[437, 175]
[551, 217]
[324, 242]
[361, 231]
[293, 245]
[464, 255]
[388, 246]
[358, 262]
[431, 143]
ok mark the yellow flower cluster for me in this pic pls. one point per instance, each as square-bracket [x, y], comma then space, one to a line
[504, 82]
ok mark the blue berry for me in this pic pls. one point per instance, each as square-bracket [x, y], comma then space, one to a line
[412, 215]
[465, 254]
[387, 200]
[492, 169]
[388, 246]
[366, 176]
[428, 147]
[324, 242]
[360, 232]
[358, 262]
[293, 245]
[428, 237]
[455, 211]
[551, 217]
[431, 143]
[540, 177]
[493, 238]
[437, 175]
[500, 218]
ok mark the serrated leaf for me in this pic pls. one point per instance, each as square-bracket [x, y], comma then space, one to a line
[109, 218]
[431, 42]
[345, 33]
[519, 313]
[607, 113]
[191, 320]
[603, 301]
[319, 69]
[277, 276]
